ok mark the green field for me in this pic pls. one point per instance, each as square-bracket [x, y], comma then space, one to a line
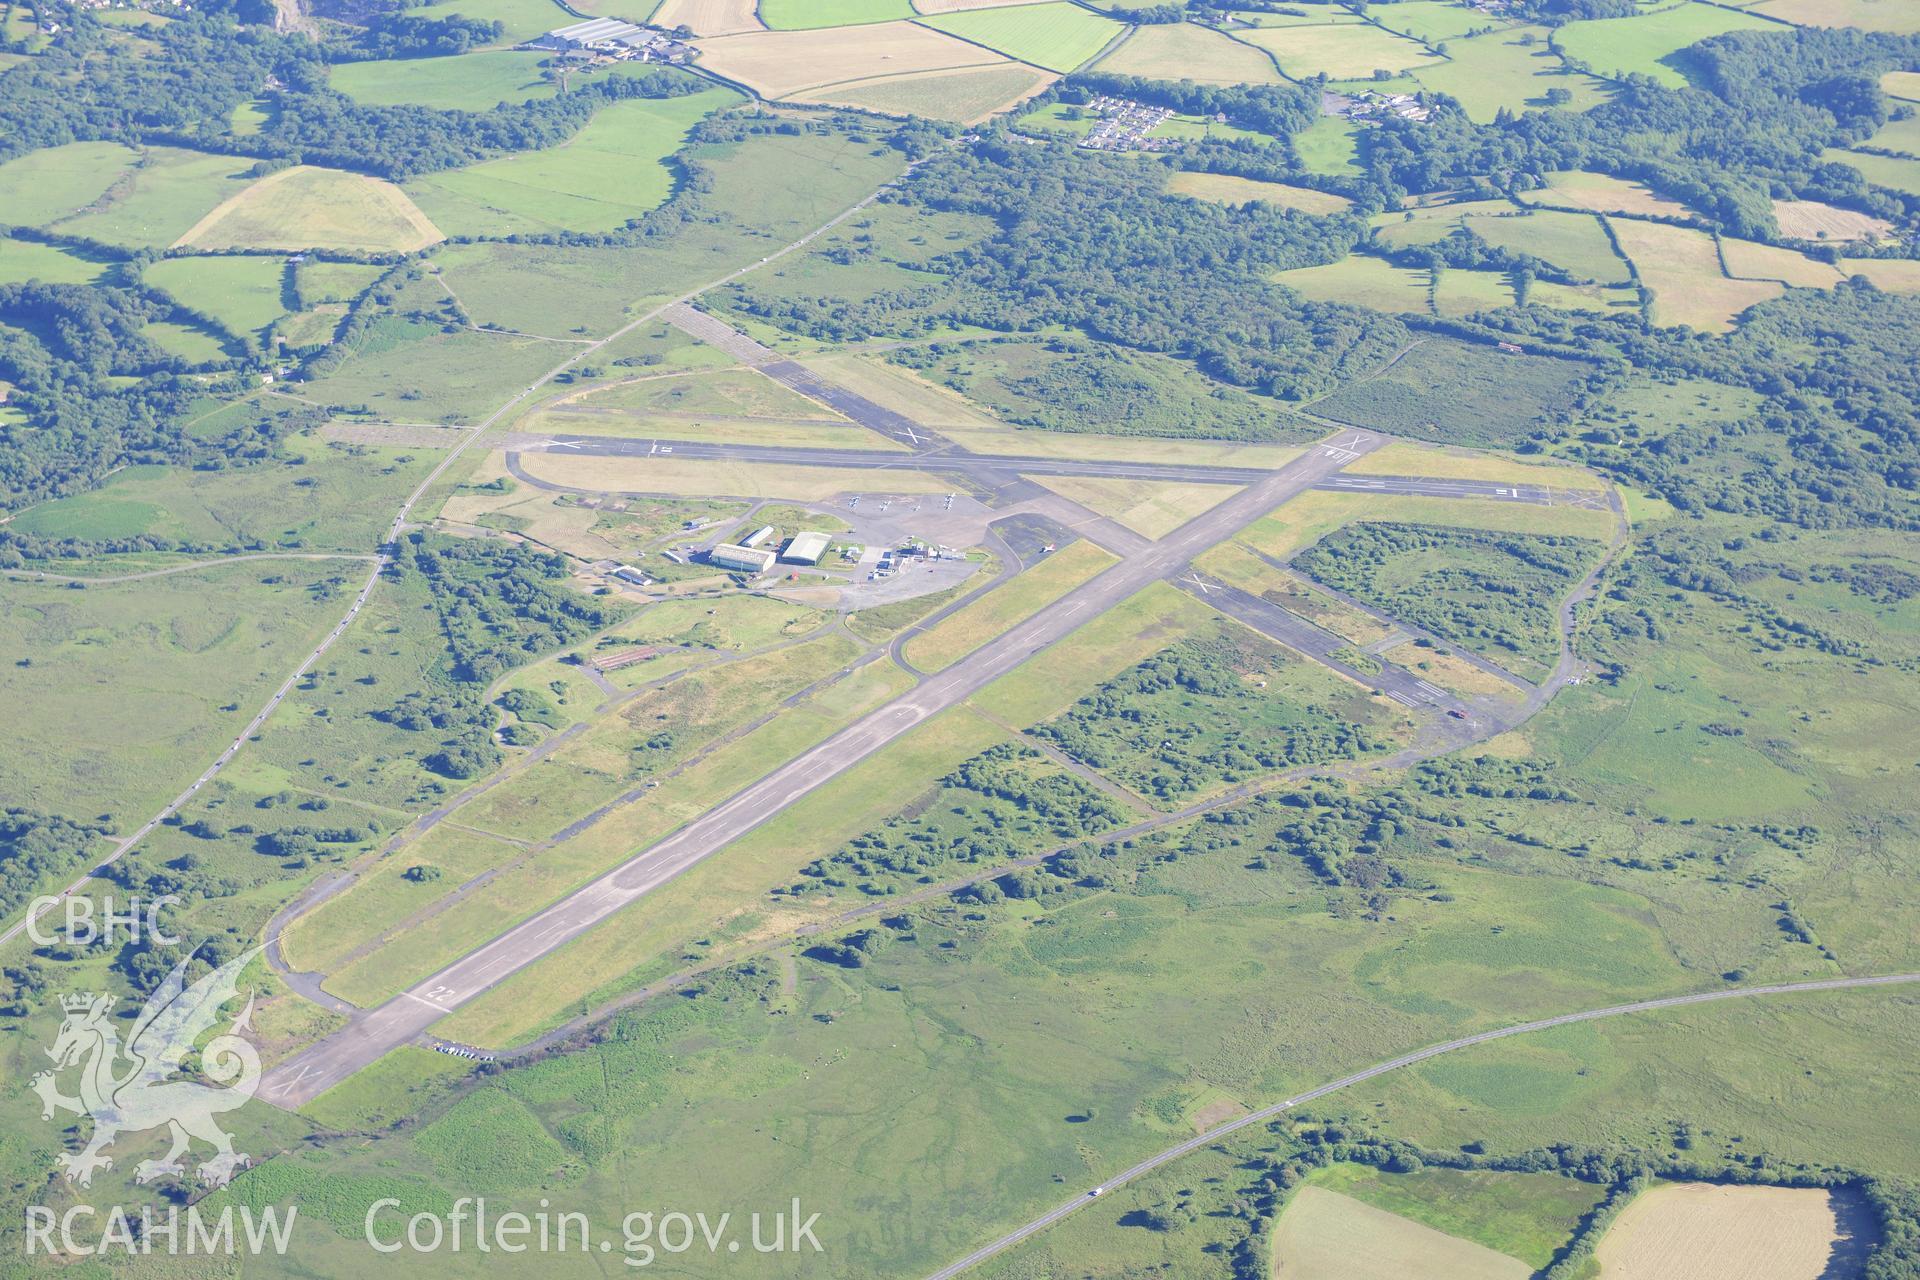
[1432, 21]
[162, 199]
[801, 15]
[465, 82]
[43, 186]
[244, 294]
[1896, 172]
[1510, 69]
[1363, 281]
[24, 260]
[610, 172]
[1056, 36]
[522, 19]
[1651, 44]
[1327, 146]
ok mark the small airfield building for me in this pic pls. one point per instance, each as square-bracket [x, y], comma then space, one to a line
[729, 555]
[805, 548]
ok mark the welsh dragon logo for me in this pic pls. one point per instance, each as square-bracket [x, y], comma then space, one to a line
[142, 1087]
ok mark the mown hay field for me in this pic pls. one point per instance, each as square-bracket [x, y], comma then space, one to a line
[709, 17]
[309, 208]
[1812, 220]
[779, 64]
[1323, 1235]
[1339, 51]
[1183, 51]
[1597, 193]
[1697, 1231]
[963, 95]
[1682, 268]
[1899, 17]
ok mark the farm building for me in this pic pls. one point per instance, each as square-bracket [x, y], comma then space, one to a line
[805, 548]
[758, 536]
[596, 33]
[730, 555]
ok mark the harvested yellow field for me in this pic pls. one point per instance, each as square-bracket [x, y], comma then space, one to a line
[1899, 17]
[1812, 220]
[780, 64]
[1895, 275]
[963, 95]
[1182, 51]
[709, 17]
[1323, 1235]
[1682, 268]
[1147, 507]
[1597, 193]
[1696, 1231]
[1746, 260]
[309, 208]
[1222, 188]
[715, 476]
[1339, 51]
[1902, 84]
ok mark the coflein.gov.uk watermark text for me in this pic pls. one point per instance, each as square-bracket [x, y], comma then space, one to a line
[471, 1226]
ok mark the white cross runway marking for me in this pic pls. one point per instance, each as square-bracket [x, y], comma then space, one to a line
[559, 444]
[1205, 588]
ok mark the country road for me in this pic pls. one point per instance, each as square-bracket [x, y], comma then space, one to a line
[1261, 1116]
[399, 524]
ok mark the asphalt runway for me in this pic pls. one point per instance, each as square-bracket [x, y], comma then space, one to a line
[373, 1034]
[996, 472]
[1269, 619]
